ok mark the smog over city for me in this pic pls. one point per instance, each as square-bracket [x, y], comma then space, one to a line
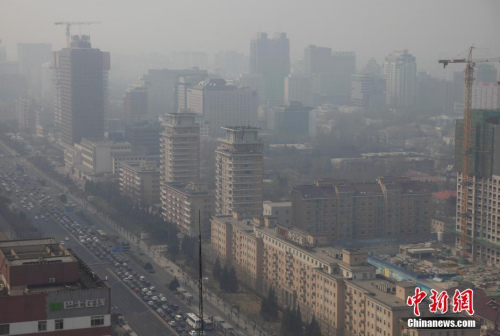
[250, 168]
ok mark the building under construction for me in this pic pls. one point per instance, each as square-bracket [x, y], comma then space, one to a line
[483, 238]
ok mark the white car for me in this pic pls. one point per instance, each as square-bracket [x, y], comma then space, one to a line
[154, 298]
[172, 323]
[66, 238]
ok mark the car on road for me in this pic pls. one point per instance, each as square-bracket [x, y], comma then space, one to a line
[66, 238]
[172, 323]
[151, 303]
[153, 288]
[196, 332]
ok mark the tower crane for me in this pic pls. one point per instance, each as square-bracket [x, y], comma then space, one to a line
[68, 28]
[467, 147]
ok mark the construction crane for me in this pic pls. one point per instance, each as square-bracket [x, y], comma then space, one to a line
[467, 148]
[68, 28]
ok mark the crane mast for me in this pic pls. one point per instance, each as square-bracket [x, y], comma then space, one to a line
[467, 146]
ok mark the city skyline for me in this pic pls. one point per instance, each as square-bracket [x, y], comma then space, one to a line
[394, 25]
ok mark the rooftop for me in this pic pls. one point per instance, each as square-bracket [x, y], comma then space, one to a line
[35, 251]
[381, 290]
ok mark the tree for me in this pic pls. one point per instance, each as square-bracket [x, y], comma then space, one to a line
[313, 328]
[286, 322]
[232, 282]
[174, 284]
[224, 279]
[173, 245]
[217, 270]
[297, 323]
[148, 266]
[269, 307]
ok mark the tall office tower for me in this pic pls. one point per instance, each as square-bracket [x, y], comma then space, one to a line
[368, 91]
[486, 73]
[31, 56]
[299, 88]
[238, 172]
[484, 168]
[144, 137]
[135, 105]
[271, 59]
[343, 66]
[400, 71]
[334, 70]
[83, 74]
[222, 104]
[162, 86]
[3, 52]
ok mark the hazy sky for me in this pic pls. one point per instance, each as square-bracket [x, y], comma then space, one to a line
[430, 29]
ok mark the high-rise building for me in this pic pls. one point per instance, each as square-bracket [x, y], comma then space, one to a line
[343, 211]
[135, 105]
[180, 149]
[31, 56]
[256, 83]
[271, 59]
[3, 52]
[144, 137]
[82, 86]
[484, 168]
[48, 289]
[343, 66]
[230, 63]
[26, 114]
[222, 104]
[400, 71]
[299, 88]
[238, 172]
[485, 96]
[162, 86]
[434, 95]
[368, 91]
[140, 181]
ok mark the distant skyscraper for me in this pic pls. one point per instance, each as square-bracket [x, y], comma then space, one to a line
[230, 63]
[434, 95]
[135, 105]
[238, 174]
[334, 70]
[400, 70]
[368, 91]
[292, 122]
[162, 85]
[372, 68]
[271, 59]
[222, 104]
[31, 56]
[3, 52]
[83, 74]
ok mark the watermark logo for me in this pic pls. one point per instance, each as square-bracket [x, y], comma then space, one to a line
[462, 301]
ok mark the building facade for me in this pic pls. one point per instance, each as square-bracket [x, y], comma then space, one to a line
[282, 211]
[238, 172]
[144, 137]
[400, 71]
[299, 88]
[345, 211]
[291, 122]
[270, 57]
[135, 105]
[222, 105]
[50, 290]
[189, 206]
[26, 114]
[30, 58]
[140, 181]
[83, 80]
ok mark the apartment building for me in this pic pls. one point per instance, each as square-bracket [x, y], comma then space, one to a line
[282, 211]
[342, 210]
[140, 181]
[189, 206]
[238, 174]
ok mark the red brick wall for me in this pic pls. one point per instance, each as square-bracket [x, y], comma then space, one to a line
[38, 274]
[23, 308]
[97, 331]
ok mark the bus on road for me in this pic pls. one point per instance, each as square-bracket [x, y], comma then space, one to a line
[193, 321]
[102, 234]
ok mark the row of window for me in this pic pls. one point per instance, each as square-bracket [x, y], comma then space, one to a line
[95, 321]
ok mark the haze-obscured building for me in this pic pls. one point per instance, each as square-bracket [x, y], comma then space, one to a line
[83, 84]
[135, 105]
[270, 57]
[140, 181]
[400, 71]
[31, 57]
[144, 137]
